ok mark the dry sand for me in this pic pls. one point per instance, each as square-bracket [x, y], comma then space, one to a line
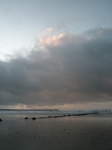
[67, 133]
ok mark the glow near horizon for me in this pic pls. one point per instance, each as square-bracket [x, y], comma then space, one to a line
[76, 106]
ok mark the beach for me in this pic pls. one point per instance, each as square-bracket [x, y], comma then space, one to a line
[65, 133]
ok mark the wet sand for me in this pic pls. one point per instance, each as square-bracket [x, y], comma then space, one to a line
[65, 133]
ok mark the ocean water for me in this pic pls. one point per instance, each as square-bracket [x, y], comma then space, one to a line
[20, 114]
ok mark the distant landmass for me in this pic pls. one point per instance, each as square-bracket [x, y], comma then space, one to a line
[29, 109]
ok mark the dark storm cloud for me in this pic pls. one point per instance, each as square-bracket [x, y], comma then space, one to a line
[78, 68]
[14, 77]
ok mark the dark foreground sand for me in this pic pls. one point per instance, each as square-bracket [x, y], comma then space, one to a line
[67, 133]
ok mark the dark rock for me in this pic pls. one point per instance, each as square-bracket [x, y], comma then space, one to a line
[33, 118]
[26, 118]
[0, 119]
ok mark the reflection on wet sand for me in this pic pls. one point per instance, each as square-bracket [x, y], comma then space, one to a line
[84, 132]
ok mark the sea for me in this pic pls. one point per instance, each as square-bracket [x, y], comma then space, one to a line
[12, 114]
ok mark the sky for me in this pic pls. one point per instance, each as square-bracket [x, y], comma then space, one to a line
[56, 54]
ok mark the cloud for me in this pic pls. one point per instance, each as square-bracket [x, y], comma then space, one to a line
[51, 41]
[47, 31]
[75, 68]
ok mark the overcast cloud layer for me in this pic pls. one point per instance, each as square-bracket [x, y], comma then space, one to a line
[60, 70]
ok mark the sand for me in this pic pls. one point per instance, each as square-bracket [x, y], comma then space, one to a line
[65, 133]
